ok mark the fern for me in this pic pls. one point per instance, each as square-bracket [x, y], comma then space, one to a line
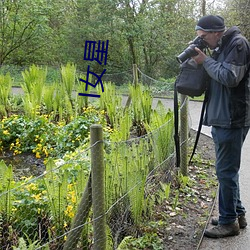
[33, 87]
[56, 185]
[6, 184]
[161, 126]
[5, 90]
[68, 74]
[82, 101]
[141, 103]
[48, 98]
[113, 108]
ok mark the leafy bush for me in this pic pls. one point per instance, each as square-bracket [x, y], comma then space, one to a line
[43, 137]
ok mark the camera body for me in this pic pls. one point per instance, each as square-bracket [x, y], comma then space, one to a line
[190, 51]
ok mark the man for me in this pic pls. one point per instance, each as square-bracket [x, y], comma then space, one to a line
[228, 112]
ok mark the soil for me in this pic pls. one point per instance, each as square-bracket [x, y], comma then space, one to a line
[186, 223]
[25, 164]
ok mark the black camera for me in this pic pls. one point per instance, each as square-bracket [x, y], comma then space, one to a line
[190, 51]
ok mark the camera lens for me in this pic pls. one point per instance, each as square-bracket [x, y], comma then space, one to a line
[187, 53]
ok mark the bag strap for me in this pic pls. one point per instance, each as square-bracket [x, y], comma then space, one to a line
[176, 126]
[199, 127]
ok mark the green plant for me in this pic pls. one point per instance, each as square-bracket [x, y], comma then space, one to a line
[22, 245]
[141, 104]
[30, 208]
[126, 172]
[161, 128]
[6, 184]
[56, 187]
[68, 74]
[48, 98]
[121, 131]
[33, 86]
[82, 101]
[147, 241]
[62, 104]
[5, 89]
[23, 134]
[164, 191]
[112, 106]
[184, 181]
[43, 137]
[176, 199]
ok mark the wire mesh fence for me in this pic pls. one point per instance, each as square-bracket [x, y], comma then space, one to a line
[55, 210]
[46, 210]
[159, 87]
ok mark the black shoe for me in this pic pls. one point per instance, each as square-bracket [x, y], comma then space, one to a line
[221, 231]
[241, 219]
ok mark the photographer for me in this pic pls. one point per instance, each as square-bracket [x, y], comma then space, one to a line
[228, 112]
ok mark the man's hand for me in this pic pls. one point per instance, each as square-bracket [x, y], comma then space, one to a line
[200, 58]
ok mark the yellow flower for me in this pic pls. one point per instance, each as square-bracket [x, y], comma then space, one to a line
[6, 132]
[102, 112]
[16, 152]
[45, 151]
[37, 196]
[12, 145]
[69, 211]
[73, 199]
[14, 209]
[31, 187]
[38, 155]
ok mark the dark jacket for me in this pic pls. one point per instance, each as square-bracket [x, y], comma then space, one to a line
[229, 90]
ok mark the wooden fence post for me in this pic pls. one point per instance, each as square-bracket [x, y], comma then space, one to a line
[135, 81]
[98, 194]
[135, 74]
[184, 135]
[80, 218]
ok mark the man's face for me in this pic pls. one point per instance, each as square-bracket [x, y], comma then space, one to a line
[211, 38]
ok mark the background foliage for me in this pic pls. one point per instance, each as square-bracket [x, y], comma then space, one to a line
[149, 33]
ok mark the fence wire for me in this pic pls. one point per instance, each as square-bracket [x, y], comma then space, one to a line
[40, 211]
[43, 210]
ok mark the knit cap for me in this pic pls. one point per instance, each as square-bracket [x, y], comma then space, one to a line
[210, 23]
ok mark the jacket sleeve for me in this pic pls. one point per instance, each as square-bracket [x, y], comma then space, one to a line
[234, 66]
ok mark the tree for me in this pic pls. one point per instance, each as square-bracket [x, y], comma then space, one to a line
[149, 33]
[20, 22]
[237, 12]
